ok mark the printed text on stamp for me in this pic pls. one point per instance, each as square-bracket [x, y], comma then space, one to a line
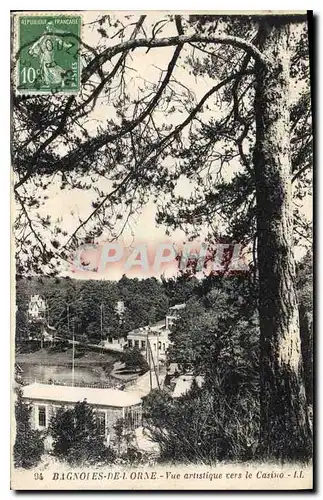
[49, 54]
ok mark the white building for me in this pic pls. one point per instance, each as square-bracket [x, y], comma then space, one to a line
[153, 341]
[36, 308]
[173, 314]
[115, 344]
[183, 384]
[109, 405]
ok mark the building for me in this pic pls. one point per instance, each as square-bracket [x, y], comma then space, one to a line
[36, 309]
[183, 384]
[115, 344]
[173, 314]
[109, 405]
[39, 327]
[49, 333]
[153, 340]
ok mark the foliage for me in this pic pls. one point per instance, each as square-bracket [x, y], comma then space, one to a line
[124, 435]
[134, 360]
[88, 301]
[29, 443]
[180, 288]
[216, 337]
[76, 437]
[217, 426]
[304, 282]
[305, 288]
[222, 322]
[146, 302]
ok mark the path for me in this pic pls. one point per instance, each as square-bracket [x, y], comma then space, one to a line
[142, 384]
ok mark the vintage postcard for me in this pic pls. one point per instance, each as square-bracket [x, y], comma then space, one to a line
[162, 250]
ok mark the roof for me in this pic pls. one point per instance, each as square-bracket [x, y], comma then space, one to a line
[173, 367]
[150, 330]
[159, 324]
[178, 306]
[184, 383]
[68, 394]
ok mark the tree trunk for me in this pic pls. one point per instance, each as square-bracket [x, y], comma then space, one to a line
[284, 426]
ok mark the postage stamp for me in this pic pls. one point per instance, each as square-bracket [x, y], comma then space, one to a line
[48, 58]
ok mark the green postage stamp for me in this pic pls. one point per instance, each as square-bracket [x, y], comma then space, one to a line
[48, 57]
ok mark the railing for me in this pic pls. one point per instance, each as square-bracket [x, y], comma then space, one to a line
[97, 385]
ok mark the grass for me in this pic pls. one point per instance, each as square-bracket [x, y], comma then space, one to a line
[64, 358]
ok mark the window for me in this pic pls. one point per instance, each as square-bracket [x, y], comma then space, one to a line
[129, 343]
[143, 344]
[159, 345]
[163, 347]
[138, 417]
[133, 417]
[42, 416]
[100, 422]
[137, 344]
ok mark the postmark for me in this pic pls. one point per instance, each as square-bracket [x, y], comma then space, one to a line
[48, 56]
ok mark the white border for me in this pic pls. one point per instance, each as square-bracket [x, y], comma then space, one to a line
[5, 182]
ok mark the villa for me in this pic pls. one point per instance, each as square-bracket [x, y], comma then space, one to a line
[153, 340]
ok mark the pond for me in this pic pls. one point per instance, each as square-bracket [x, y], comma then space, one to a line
[92, 375]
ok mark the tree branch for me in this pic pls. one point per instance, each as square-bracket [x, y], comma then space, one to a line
[46, 143]
[176, 131]
[131, 44]
[300, 171]
[100, 205]
[69, 104]
[234, 41]
[98, 142]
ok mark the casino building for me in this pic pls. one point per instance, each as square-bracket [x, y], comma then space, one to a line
[153, 340]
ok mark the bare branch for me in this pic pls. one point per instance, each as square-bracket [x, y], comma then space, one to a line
[234, 41]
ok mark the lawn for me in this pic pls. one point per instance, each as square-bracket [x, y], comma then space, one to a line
[64, 358]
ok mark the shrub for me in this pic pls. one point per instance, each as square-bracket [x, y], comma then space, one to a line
[76, 438]
[217, 427]
[134, 360]
[29, 444]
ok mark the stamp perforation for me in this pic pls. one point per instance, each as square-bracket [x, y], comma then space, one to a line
[50, 70]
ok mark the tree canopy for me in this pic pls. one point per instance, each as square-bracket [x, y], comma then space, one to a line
[204, 140]
[29, 443]
[91, 306]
